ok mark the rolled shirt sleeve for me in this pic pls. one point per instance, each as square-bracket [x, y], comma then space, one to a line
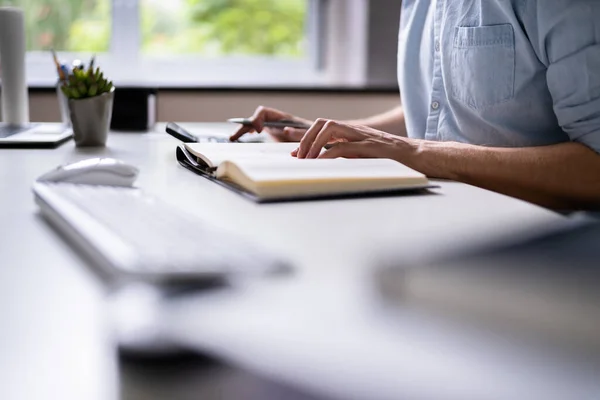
[570, 41]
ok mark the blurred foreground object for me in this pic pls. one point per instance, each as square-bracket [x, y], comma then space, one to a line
[547, 285]
[15, 107]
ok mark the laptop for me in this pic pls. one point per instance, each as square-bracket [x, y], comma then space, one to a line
[35, 135]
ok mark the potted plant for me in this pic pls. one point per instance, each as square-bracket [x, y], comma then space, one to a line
[90, 98]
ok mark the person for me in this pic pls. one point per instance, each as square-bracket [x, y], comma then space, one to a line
[504, 95]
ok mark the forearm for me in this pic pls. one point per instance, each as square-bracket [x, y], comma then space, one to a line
[391, 121]
[562, 176]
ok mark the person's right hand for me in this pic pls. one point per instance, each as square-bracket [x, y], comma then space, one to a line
[264, 114]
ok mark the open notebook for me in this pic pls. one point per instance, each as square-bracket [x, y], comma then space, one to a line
[267, 172]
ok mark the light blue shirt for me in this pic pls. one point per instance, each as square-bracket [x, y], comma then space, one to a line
[505, 73]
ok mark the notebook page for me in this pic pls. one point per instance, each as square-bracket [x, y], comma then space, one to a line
[219, 152]
[290, 169]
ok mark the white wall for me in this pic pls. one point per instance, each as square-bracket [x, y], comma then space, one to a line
[218, 106]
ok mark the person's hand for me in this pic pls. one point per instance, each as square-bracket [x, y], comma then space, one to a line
[353, 141]
[264, 114]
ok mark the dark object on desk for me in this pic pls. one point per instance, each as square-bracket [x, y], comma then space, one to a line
[548, 284]
[134, 109]
[199, 377]
[178, 132]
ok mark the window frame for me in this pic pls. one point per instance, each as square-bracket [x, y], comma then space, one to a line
[336, 33]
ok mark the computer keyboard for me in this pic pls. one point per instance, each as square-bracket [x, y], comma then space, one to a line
[135, 235]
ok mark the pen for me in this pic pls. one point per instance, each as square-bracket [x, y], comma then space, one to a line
[65, 71]
[284, 123]
[92, 62]
[55, 58]
[59, 69]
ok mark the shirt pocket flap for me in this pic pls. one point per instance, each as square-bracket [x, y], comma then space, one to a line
[494, 35]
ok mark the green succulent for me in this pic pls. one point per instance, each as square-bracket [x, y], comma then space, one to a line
[86, 83]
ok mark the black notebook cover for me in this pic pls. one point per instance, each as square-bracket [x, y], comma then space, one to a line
[188, 161]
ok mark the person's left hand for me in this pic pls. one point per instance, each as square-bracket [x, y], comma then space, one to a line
[353, 141]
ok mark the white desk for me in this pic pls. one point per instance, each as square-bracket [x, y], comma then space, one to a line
[53, 314]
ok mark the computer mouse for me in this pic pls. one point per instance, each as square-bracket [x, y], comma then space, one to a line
[94, 171]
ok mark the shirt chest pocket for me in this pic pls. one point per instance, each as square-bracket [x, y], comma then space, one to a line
[483, 65]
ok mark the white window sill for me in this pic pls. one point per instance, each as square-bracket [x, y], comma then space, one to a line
[192, 71]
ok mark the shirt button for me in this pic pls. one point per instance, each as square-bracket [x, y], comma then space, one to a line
[437, 45]
[435, 105]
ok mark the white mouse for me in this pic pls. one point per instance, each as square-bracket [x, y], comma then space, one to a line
[94, 171]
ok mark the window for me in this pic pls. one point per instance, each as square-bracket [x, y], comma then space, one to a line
[200, 42]
[218, 28]
[66, 25]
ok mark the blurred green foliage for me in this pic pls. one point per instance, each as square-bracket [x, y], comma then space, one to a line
[70, 25]
[208, 27]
